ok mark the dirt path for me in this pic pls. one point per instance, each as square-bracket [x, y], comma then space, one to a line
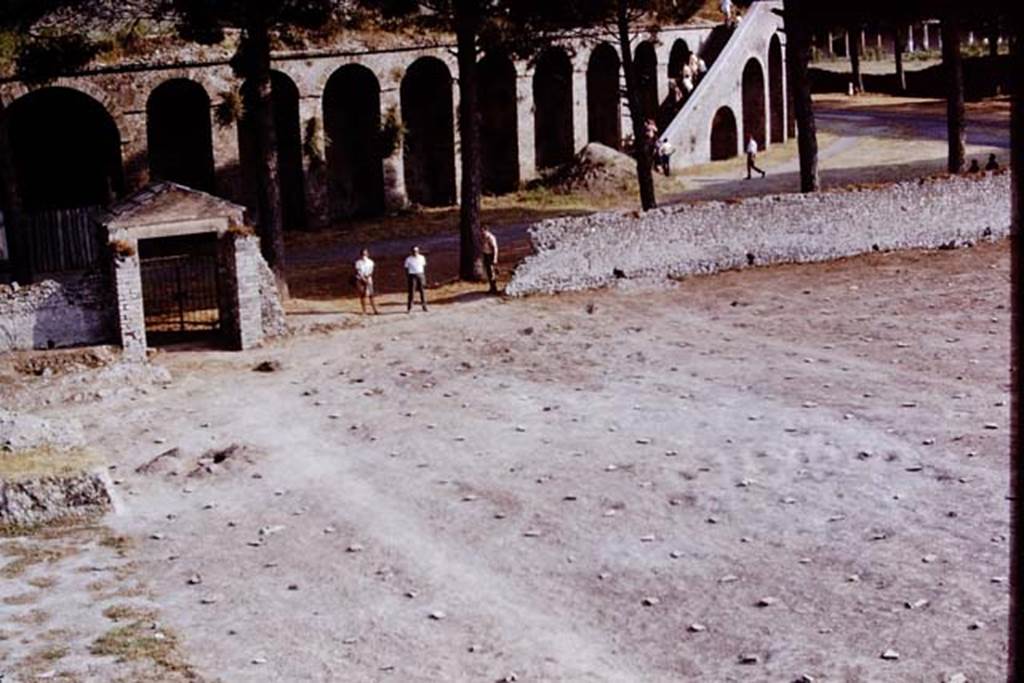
[598, 487]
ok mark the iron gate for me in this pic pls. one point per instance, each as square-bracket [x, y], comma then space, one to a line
[179, 293]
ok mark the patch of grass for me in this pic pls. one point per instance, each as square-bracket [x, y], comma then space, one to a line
[53, 634]
[117, 542]
[34, 617]
[43, 582]
[21, 599]
[137, 641]
[45, 461]
[55, 528]
[129, 612]
[51, 654]
[27, 555]
[37, 661]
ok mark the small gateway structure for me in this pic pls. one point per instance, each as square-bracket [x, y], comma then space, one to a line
[184, 262]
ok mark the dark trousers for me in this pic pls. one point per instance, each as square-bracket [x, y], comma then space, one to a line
[492, 278]
[416, 282]
[663, 162]
[752, 164]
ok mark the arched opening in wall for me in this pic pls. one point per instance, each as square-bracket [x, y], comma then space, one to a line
[499, 121]
[724, 143]
[179, 137]
[289, 149]
[429, 139]
[604, 119]
[678, 58]
[753, 103]
[645, 66]
[554, 137]
[776, 84]
[66, 151]
[355, 168]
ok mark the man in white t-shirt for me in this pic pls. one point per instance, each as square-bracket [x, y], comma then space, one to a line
[752, 157]
[489, 250]
[364, 280]
[416, 277]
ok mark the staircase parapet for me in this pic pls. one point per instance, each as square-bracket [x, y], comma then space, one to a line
[689, 133]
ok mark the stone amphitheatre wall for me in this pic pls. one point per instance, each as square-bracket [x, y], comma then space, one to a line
[140, 120]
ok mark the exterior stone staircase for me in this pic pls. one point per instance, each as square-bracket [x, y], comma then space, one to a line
[727, 53]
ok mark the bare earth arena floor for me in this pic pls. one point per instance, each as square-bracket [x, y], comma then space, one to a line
[755, 476]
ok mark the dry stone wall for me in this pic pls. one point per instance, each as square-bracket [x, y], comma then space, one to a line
[595, 251]
[54, 314]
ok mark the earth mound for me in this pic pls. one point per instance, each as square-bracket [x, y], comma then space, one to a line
[596, 169]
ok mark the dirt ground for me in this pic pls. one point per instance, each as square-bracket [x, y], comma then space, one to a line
[800, 468]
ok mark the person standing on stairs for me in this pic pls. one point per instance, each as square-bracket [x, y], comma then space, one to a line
[752, 158]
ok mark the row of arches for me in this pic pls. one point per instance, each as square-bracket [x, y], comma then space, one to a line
[763, 120]
[67, 148]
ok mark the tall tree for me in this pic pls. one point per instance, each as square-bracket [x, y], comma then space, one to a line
[467, 18]
[622, 21]
[854, 34]
[954, 74]
[522, 28]
[899, 47]
[205, 22]
[1016, 642]
[624, 18]
[799, 26]
[516, 27]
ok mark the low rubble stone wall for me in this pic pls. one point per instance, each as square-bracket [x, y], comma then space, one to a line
[79, 311]
[594, 251]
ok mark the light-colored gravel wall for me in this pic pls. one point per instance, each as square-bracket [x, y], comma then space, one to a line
[585, 253]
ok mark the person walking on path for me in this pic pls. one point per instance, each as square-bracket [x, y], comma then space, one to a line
[364, 281]
[489, 249]
[752, 158]
[416, 277]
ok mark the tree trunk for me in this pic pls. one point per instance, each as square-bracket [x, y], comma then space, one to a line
[899, 46]
[854, 33]
[993, 39]
[1016, 650]
[467, 25]
[261, 114]
[798, 55]
[954, 74]
[641, 149]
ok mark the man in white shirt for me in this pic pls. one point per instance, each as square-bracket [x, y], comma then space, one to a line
[663, 157]
[364, 281]
[489, 250]
[416, 277]
[752, 158]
